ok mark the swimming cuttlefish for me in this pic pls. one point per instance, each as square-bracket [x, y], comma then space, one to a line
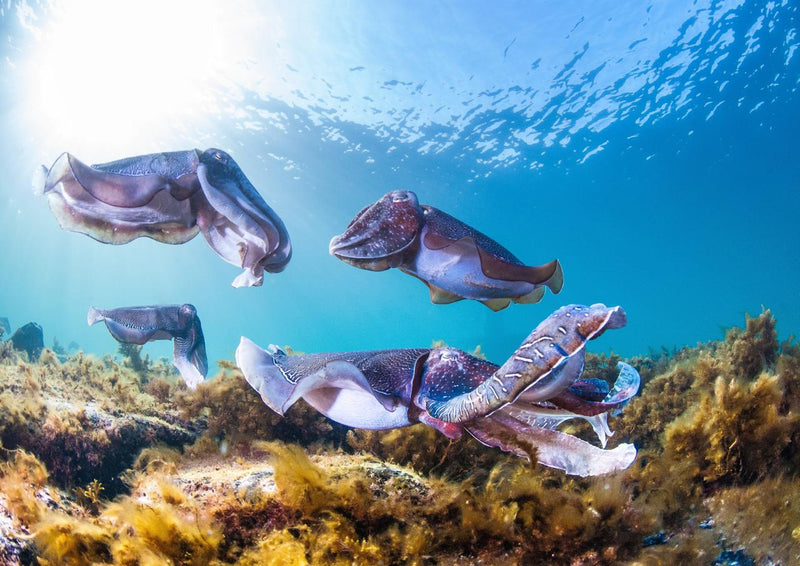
[170, 197]
[512, 407]
[179, 323]
[453, 259]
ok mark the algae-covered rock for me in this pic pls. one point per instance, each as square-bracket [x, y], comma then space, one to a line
[81, 443]
[29, 339]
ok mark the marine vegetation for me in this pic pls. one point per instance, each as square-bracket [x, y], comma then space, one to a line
[717, 474]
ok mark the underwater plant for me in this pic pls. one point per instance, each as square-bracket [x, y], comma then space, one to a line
[248, 486]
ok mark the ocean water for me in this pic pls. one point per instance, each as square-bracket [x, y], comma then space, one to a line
[650, 147]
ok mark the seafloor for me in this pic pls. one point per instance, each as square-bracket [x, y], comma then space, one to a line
[113, 461]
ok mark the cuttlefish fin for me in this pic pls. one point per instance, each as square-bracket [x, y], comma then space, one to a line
[503, 269]
[497, 304]
[441, 296]
[549, 274]
[125, 332]
[114, 208]
[280, 389]
[339, 374]
[533, 297]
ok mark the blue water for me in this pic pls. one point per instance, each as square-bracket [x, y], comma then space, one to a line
[652, 148]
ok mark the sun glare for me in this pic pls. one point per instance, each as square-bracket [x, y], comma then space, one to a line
[107, 71]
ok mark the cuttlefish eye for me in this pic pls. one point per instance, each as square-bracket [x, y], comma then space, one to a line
[400, 196]
[187, 312]
[219, 156]
[448, 356]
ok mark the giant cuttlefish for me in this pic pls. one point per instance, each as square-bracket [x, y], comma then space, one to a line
[514, 407]
[180, 323]
[453, 259]
[169, 197]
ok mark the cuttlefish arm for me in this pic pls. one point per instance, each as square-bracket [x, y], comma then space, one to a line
[180, 323]
[524, 424]
[577, 403]
[369, 390]
[170, 197]
[553, 448]
[238, 225]
[548, 361]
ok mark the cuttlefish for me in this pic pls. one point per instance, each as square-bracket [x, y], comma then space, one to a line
[515, 407]
[170, 197]
[180, 323]
[453, 259]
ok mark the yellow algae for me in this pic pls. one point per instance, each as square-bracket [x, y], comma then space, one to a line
[715, 426]
[764, 517]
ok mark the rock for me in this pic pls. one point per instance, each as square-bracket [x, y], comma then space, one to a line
[99, 445]
[658, 538]
[708, 523]
[734, 558]
[30, 339]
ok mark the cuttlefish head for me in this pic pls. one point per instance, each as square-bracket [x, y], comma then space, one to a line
[237, 223]
[186, 315]
[382, 233]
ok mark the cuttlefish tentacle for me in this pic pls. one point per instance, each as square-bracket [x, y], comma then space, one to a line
[453, 259]
[171, 197]
[180, 323]
[553, 448]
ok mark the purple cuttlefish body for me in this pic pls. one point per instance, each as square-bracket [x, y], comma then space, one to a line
[453, 259]
[179, 323]
[514, 407]
[171, 197]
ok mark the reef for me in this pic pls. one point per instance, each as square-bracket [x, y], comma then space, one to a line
[114, 461]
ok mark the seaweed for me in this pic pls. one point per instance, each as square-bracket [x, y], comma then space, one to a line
[754, 348]
[235, 414]
[764, 516]
[113, 461]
